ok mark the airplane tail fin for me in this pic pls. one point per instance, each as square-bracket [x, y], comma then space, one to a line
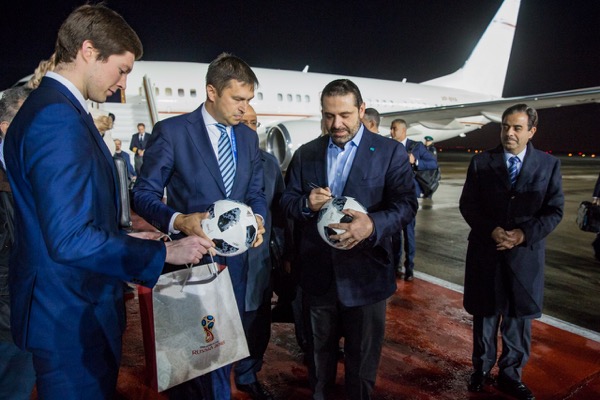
[485, 70]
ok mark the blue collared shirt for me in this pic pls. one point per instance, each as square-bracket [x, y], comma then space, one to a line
[214, 133]
[508, 156]
[339, 162]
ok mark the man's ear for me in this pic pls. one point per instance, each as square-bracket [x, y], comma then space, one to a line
[88, 51]
[211, 92]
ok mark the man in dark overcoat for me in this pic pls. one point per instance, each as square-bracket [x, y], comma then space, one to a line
[512, 200]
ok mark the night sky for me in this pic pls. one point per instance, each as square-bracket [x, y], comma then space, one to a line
[557, 45]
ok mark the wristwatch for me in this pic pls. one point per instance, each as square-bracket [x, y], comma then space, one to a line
[305, 208]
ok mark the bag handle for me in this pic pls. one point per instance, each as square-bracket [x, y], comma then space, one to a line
[212, 268]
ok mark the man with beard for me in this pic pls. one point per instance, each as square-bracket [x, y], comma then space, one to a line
[345, 290]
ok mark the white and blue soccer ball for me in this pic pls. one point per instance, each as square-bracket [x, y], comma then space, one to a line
[231, 225]
[331, 213]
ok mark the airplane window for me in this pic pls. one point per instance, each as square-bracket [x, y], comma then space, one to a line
[193, 93]
[259, 96]
[181, 92]
[156, 91]
[168, 92]
[298, 98]
[289, 97]
[307, 98]
[279, 97]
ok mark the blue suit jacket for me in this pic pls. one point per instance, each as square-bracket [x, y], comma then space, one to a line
[424, 159]
[69, 257]
[534, 205]
[259, 259]
[180, 157]
[381, 179]
[137, 144]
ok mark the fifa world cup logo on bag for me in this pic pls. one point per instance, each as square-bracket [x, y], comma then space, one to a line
[208, 324]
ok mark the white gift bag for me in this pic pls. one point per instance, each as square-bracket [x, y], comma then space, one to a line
[197, 326]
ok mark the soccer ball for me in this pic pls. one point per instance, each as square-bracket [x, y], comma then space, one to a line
[231, 225]
[331, 213]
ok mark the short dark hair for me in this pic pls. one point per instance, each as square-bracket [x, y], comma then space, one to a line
[372, 114]
[226, 67]
[106, 29]
[9, 103]
[342, 87]
[140, 124]
[532, 115]
[399, 121]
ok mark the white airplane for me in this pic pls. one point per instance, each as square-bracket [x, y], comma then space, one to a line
[288, 102]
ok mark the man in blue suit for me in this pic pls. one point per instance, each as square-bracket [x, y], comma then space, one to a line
[69, 257]
[138, 144]
[512, 199]
[257, 314]
[121, 154]
[184, 156]
[420, 159]
[345, 291]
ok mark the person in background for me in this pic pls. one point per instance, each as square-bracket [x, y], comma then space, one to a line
[120, 153]
[512, 199]
[43, 67]
[104, 124]
[17, 375]
[596, 201]
[69, 258]
[420, 159]
[371, 120]
[430, 146]
[139, 141]
[345, 291]
[257, 315]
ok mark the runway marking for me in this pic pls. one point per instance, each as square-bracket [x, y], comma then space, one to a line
[547, 319]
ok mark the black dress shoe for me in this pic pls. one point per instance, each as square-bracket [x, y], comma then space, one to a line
[516, 389]
[408, 277]
[255, 390]
[478, 380]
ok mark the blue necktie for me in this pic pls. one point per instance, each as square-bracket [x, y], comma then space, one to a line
[226, 163]
[513, 169]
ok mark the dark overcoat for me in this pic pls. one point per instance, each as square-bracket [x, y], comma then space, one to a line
[534, 205]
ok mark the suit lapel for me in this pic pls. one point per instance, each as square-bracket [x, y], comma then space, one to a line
[363, 160]
[198, 134]
[498, 165]
[528, 168]
[320, 164]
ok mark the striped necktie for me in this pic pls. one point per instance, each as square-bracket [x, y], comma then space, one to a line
[226, 163]
[513, 169]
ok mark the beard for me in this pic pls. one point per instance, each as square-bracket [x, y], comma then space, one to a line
[341, 136]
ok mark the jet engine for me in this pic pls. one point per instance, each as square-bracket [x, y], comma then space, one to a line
[284, 139]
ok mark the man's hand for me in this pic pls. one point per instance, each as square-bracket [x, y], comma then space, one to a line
[318, 196]
[359, 229]
[506, 240]
[190, 224]
[411, 158]
[148, 235]
[259, 231]
[188, 250]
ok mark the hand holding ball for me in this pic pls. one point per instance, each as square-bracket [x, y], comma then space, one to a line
[231, 225]
[331, 213]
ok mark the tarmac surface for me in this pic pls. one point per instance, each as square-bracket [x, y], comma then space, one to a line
[572, 288]
[426, 353]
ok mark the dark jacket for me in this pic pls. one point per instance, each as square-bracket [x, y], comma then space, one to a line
[382, 181]
[534, 205]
